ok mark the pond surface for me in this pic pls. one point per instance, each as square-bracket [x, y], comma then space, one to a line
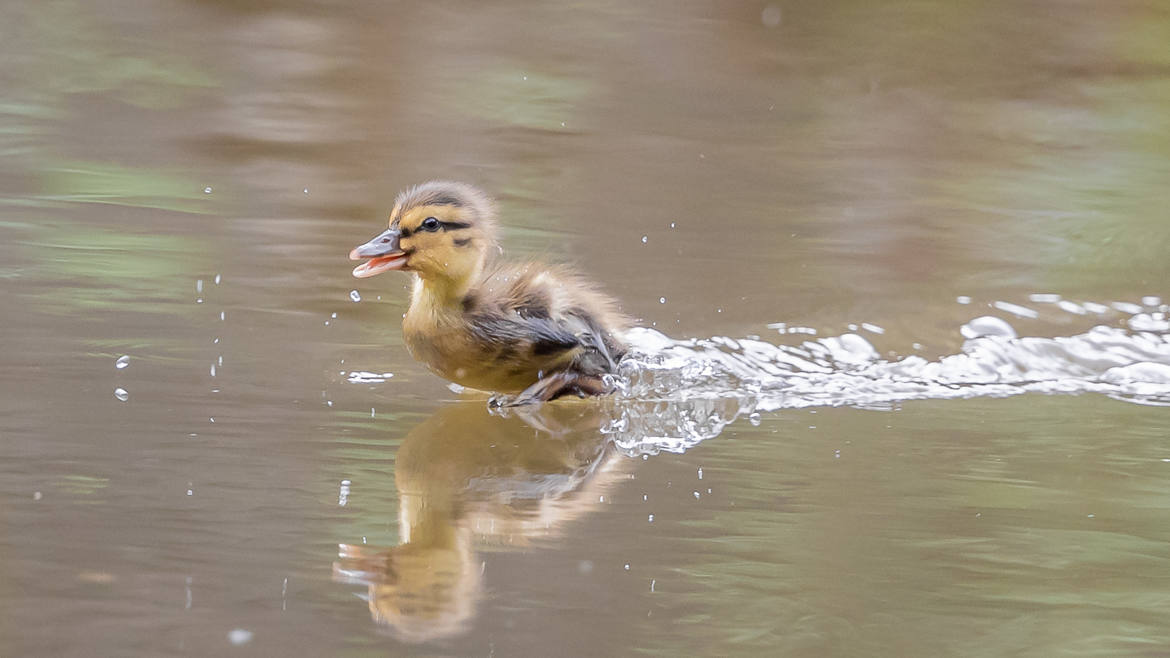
[910, 258]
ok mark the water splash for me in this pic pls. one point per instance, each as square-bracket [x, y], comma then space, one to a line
[673, 394]
[367, 377]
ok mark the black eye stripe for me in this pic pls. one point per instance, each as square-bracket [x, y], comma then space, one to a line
[448, 226]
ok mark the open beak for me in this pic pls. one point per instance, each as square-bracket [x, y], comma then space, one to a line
[383, 253]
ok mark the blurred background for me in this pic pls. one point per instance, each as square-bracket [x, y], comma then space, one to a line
[183, 448]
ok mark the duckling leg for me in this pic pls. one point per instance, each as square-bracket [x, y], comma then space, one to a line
[558, 384]
[587, 385]
[545, 389]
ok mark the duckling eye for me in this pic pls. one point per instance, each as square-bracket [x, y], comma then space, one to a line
[430, 224]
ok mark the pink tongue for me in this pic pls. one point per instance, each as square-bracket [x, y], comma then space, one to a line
[377, 266]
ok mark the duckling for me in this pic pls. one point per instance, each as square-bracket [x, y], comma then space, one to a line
[536, 330]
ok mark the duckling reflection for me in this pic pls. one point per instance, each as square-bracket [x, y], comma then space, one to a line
[467, 479]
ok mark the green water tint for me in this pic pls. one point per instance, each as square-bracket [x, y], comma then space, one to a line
[817, 171]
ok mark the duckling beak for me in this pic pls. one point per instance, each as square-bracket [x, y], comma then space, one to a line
[383, 252]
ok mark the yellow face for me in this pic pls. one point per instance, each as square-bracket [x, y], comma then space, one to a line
[439, 229]
[439, 241]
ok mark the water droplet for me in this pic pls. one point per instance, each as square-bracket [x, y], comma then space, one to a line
[217, 279]
[121, 394]
[1016, 309]
[207, 190]
[122, 362]
[627, 567]
[987, 325]
[211, 419]
[661, 300]
[650, 519]
[700, 472]
[697, 494]
[754, 418]
[37, 495]
[672, 225]
[239, 636]
[355, 295]
[213, 370]
[963, 299]
[190, 492]
[645, 238]
[222, 316]
[1044, 298]
[1151, 300]
[199, 285]
[306, 190]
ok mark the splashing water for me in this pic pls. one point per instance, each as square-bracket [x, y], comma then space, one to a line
[674, 393]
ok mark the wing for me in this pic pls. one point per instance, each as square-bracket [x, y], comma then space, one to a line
[525, 327]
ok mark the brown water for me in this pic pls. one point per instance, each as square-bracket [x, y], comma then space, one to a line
[180, 183]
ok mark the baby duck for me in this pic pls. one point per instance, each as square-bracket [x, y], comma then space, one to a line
[538, 330]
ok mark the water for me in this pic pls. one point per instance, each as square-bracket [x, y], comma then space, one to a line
[905, 394]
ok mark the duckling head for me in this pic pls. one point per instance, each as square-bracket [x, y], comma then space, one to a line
[440, 230]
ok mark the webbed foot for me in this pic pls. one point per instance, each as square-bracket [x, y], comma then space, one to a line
[557, 385]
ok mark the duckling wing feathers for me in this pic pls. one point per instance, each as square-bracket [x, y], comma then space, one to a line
[551, 309]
